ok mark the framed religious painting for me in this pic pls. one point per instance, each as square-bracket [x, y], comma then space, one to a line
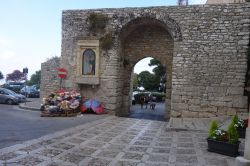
[88, 62]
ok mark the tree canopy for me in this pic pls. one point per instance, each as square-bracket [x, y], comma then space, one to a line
[35, 78]
[1, 75]
[135, 81]
[159, 70]
[15, 76]
[148, 81]
[160, 73]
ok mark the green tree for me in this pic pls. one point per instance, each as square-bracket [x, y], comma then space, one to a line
[148, 81]
[159, 71]
[1, 75]
[35, 79]
[135, 80]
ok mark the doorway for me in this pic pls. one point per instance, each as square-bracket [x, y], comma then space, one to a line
[148, 90]
[139, 39]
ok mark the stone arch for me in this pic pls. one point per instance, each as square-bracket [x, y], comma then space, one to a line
[146, 37]
[161, 17]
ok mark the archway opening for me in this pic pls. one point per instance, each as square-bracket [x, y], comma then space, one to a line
[148, 90]
[139, 39]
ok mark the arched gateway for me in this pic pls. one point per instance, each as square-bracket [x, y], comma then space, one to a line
[202, 47]
[143, 37]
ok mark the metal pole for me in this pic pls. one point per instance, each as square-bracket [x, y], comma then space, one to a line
[25, 88]
[60, 83]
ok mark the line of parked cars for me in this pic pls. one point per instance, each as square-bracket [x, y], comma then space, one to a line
[30, 91]
[14, 93]
[10, 97]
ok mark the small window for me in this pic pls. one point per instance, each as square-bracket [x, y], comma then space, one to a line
[88, 62]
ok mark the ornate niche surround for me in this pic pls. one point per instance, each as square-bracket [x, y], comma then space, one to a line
[84, 49]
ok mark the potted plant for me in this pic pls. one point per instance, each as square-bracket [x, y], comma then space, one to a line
[223, 142]
[240, 125]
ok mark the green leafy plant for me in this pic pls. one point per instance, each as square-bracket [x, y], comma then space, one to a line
[233, 136]
[106, 41]
[216, 133]
[213, 128]
[220, 135]
[97, 21]
[235, 119]
[238, 122]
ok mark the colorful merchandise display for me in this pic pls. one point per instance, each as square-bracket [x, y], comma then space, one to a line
[61, 103]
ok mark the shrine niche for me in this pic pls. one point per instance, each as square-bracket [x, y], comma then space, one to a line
[87, 62]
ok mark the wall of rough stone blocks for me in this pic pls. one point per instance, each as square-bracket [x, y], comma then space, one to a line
[209, 61]
[49, 79]
[224, 1]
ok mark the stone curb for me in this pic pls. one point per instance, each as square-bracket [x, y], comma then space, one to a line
[26, 107]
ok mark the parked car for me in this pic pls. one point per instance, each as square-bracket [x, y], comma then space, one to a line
[10, 97]
[30, 91]
[14, 86]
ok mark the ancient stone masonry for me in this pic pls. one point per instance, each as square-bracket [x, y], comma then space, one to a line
[203, 48]
[49, 79]
[224, 1]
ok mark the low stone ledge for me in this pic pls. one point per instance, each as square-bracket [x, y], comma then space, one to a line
[241, 161]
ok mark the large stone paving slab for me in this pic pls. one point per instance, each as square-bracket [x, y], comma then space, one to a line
[115, 141]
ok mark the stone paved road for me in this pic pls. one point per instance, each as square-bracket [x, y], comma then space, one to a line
[114, 141]
[157, 114]
[17, 125]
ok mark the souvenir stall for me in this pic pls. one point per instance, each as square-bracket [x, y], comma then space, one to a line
[61, 103]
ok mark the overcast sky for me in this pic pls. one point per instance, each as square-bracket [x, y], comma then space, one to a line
[30, 30]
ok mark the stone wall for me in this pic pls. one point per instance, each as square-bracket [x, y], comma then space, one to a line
[209, 63]
[49, 79]
[224, 1]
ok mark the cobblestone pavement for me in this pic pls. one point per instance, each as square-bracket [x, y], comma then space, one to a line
[115, 141]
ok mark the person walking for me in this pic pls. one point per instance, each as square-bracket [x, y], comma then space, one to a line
[146, 101]
[152, 102]
[142, 100]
